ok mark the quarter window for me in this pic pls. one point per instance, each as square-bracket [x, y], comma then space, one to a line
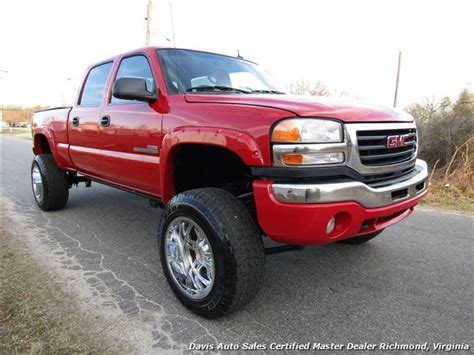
[134, 67]
[94, 88]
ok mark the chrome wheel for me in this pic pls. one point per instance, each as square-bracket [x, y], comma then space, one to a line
[37, 182]
[189, 257]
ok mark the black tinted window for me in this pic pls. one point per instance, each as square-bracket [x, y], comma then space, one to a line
[94, 88]
[134, 67]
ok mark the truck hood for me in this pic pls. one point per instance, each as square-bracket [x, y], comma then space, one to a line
[309, 106]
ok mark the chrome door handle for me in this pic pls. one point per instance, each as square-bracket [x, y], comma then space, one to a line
[105, 121]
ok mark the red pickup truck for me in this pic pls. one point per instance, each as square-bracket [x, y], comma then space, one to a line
[231, 159]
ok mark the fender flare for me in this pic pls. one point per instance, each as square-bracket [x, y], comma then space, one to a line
[59, 151]
[242, 144]
[49, 138]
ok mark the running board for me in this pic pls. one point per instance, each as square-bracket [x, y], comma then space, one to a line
[283, 249]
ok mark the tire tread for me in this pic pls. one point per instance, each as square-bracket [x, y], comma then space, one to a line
[55, 184]
[242, 242]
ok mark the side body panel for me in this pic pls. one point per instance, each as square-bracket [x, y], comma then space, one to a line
[52, 124]
[84, 139]
[130, 147]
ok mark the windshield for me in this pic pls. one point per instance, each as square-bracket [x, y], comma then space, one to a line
[198, 72]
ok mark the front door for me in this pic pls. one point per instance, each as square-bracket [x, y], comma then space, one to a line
[131, 135]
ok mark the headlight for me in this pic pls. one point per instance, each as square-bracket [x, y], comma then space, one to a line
[308, 141]
[307, 130]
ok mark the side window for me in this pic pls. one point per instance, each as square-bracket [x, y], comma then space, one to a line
[94, 88]
[134, 67]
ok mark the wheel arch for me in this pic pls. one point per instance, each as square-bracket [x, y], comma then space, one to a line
[44, 142]
[231, 142]
[41, 144]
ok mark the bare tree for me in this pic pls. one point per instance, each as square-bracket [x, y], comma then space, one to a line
[308, 87]
[444, 126]
[15, 114]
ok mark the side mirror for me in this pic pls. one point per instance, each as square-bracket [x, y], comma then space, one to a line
[133, 89]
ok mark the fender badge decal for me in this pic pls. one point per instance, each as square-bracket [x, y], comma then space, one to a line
[150, 149]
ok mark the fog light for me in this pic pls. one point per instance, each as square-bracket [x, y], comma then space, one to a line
[331, 225]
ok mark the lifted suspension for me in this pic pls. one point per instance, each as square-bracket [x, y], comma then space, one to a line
[74, 180]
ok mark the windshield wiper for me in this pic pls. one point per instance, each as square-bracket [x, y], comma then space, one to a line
[268, 92]
[216, 88]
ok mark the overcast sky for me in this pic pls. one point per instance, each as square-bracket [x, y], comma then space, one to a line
[351, 45]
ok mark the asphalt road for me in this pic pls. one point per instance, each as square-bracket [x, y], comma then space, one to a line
[412, 284]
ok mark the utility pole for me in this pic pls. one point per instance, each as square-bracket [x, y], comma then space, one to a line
[398, 79]
[148, 22]
[172, 25]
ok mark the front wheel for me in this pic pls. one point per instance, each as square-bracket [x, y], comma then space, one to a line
[49, 183]
[362, 239]
[211, 251]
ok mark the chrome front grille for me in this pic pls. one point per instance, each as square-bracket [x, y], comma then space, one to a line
[373, 150]
[379, 180]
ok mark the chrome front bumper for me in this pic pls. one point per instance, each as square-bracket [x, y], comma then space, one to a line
[354, 191]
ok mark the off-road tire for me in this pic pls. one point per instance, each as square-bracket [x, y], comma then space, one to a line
[362, 239]
[237, 246]
[55, 183]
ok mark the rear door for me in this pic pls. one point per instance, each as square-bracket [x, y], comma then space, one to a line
[131, 133]
[84, 121]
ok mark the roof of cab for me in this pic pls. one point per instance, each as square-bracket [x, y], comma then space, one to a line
[152, 48]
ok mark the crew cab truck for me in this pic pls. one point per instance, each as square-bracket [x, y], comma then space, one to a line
[231, 159]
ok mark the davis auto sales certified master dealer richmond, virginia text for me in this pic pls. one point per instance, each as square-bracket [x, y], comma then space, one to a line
[332, 346]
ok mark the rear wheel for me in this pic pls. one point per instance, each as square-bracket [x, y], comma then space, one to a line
[211, 251]
[49, 183]
[361, 239]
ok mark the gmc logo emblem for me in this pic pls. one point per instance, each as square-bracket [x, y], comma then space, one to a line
[397, 141]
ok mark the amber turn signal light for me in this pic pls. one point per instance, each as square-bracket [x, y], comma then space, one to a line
[286, 131]
[292, 159]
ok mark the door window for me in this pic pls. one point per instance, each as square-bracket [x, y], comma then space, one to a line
[94, 88]
[134, 67]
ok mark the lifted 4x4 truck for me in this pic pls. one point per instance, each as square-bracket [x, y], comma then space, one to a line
[231, 159]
